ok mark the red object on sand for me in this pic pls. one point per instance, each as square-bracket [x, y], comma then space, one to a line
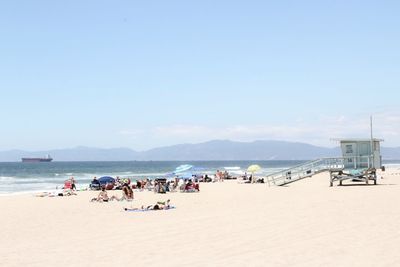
[67, 184]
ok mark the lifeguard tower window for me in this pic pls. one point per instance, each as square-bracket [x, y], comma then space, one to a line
[349, 149]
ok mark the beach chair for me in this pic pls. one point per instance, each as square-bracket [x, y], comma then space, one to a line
[67, 184]
[95, 185]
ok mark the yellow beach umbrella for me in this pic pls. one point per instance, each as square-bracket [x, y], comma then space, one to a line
[253, 168]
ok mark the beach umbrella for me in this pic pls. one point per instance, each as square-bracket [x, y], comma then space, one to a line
[183, 168]
[107, 181]
[253, 168]
[187, 171]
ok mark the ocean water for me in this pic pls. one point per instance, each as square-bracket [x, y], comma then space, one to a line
[20, 177]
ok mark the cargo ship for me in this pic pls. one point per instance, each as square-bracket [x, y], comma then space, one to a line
[46, 159]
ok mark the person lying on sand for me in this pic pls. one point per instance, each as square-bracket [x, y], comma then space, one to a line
[164, 205]
[58, 193]
[161, 205]
[68, 192]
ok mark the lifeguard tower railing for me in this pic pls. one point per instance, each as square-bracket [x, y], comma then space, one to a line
[313, 167]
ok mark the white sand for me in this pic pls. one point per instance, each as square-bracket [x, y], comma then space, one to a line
[306, 223]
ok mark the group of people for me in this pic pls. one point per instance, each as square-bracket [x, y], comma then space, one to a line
[189, 186]
[69, 187]
[69, 184]
[157, 185]
[143, 184]
[127, 194]
[221, 176]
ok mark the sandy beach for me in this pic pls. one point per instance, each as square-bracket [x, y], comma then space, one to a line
[306, 223]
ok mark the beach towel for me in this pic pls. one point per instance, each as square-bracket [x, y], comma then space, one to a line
[49, 194]
[144, 210]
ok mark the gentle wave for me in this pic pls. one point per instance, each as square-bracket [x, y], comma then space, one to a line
[6, 179]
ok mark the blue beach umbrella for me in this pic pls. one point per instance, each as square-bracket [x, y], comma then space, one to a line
[106, 180]
[183, 168]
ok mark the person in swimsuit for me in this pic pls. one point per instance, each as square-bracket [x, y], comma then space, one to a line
[161, 205]
[103, 196]
[127, 192]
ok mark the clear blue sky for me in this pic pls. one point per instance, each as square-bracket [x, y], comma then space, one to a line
[143, 74]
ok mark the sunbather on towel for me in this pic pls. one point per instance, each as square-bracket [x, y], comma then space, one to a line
[158, 206]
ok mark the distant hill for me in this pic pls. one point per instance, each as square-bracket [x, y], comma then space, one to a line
[212, 150]
[229, 150]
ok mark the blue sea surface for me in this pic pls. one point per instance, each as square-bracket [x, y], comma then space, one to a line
[18, 177]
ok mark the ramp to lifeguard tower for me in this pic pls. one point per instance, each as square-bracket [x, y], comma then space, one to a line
[304, 170]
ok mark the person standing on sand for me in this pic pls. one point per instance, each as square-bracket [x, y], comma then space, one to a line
[225, 175]
[217, 177]
[73, 186]
[220, 176]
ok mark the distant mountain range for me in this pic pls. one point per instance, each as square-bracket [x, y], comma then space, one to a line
[212, 150]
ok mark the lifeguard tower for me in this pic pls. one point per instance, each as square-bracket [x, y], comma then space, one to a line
[361, 158]
[359, 162]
